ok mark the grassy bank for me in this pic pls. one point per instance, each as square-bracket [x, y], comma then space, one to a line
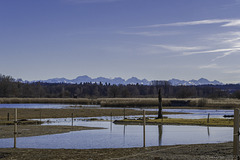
[21, 122]
[65, 113]
[37, 130]
[175, 121]
[225, 103]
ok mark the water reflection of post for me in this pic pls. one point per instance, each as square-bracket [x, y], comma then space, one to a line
[124, 133]
[208, 131]
[159, 135]
[111, 123]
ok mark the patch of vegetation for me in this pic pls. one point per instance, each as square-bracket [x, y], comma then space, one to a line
[21, 122]
[175, 121]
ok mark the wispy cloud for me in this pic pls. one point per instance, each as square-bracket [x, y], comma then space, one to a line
[151, 33]
[178, 48]
[224, 22]
[207, 51]
[210, 66]
[232, 71]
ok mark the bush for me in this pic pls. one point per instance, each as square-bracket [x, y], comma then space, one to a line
[202, 102]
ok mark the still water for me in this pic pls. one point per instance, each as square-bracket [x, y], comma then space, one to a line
[122, 136]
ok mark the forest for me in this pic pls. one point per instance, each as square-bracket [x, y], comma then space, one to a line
[9, 88]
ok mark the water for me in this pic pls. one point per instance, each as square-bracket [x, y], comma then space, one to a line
[122, 136]
[195, 113]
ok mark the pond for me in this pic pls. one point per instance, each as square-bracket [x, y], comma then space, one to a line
[122, 136]
[195, 113]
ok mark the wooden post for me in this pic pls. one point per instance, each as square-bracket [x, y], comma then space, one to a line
[111, 122]
[40, 116]
[72, 119]
[144, 129]
[8, 117]
[159, 104]
[236, 134]
[15, 129]
[208, 117]
[124, 113]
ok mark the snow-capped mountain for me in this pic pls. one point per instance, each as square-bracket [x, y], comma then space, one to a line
[201, 81]
[103, 80]
[133, 80]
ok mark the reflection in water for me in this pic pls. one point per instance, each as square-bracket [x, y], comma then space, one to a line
[160, 129]
[208, 131]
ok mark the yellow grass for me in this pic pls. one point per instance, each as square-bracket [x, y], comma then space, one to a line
[131, 102]
[175, 121]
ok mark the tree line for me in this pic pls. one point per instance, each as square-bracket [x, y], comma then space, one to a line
[9, 87]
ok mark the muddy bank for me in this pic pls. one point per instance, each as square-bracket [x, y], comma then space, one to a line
[37, 130]
[64, 113]
[221, 151]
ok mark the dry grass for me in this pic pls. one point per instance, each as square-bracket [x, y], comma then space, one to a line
[131, 102]
[175, 121]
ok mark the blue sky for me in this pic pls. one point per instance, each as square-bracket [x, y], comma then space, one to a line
[152, 39]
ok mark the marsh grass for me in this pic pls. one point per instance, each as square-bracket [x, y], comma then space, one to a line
[27, 122]
[175, 121]
[47, 100]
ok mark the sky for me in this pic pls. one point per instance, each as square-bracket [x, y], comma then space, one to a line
[152, 39]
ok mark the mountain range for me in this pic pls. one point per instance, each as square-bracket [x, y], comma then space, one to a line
[133, 80]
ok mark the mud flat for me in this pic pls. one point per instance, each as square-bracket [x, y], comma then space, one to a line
[37, 130]
[24, 113]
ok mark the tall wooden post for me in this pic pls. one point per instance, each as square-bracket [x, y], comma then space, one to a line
[111, 122]
[236, 134]
[208, 117]
[72, 119]
[8, 117]
[40, 116]
[15, 129]
[144, 129]
[160, 104]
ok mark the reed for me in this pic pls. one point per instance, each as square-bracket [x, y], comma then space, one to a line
[225, 103]
[177, 121]
[47, 100]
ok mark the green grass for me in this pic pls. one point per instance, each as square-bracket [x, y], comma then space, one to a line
[174, 121]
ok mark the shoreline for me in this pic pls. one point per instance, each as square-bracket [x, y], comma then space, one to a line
[25, 113]
[213, 122]
[39, 130]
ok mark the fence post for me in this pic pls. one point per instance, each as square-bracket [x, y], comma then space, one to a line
[40, 116]
[236, 134]
[15, 129]
[124, 113]
[208, 117]
[144, 129]
[72, 119]
[111, 121]
[8, 117]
